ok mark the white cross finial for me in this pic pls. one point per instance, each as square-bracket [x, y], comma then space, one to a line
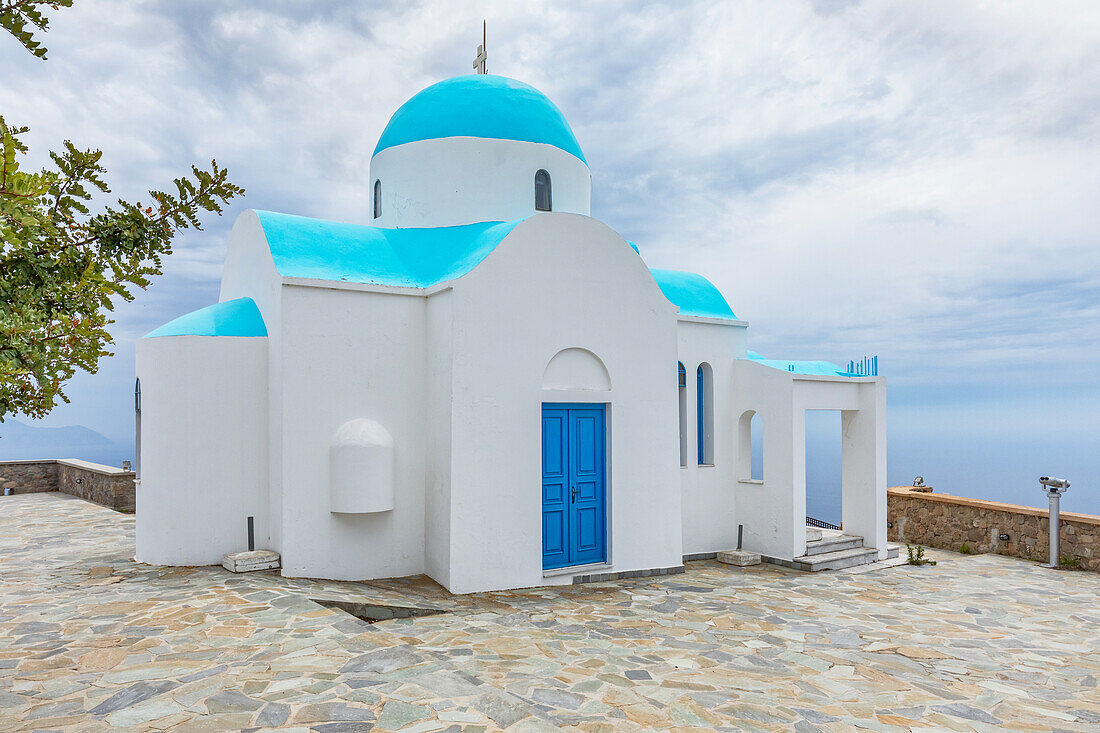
[479, 61]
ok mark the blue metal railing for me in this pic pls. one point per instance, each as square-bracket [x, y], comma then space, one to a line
[865, 367]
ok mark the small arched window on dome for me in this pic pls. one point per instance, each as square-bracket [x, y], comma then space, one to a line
[377, 199]
[543, 200]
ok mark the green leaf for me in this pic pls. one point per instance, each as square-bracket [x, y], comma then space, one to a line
[61, 267]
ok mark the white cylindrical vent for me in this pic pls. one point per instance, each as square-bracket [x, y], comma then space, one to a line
[362, 468]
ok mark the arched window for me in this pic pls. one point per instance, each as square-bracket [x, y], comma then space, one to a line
[681, 381]
[751, 447]
[137, 428]
[543, 201]
[756, 447]
[704, 414]
[377, 199]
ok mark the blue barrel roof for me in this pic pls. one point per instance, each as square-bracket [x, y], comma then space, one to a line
[695, 295]
[238, 317]
[480, 105]
[413, 258]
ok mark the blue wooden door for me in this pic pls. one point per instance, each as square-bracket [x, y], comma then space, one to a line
[555, 487]
[573, 485]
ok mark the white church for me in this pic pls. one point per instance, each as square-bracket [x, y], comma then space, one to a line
[485, 385]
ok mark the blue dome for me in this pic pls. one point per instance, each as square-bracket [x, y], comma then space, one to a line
[480, 105]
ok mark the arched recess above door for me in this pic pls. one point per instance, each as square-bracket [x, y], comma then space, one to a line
[576, 369]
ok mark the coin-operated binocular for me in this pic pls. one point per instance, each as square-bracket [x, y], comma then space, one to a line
[1054, 488]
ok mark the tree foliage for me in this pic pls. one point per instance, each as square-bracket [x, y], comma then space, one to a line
[63, 266]
[21, 17]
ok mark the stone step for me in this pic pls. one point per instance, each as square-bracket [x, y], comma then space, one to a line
[813, 534]
[833, 543]
[835, 560]
[252, 560]
[892, 551]
[870, 567]
[740, 558]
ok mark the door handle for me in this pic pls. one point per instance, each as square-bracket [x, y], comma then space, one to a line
[573, 494]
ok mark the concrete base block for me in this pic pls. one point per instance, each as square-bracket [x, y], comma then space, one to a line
[741, 558]
[246, 562]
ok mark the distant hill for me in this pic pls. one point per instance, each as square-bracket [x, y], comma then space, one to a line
[19, 441]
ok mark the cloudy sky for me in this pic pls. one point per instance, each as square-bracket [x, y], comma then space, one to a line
[919, 181]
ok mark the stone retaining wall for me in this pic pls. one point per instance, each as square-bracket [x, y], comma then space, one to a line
[947, 522]
[28, 477]
[112, 487]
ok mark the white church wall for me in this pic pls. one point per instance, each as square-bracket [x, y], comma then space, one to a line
[559, 281]
[437, 501]
[461, 180]
[864, 466]
[361, 464]
[349, 354]
[203, 447]
[250, 272]
[769, 508]
[862, 403]
[774, 510]
[709, 517]
[576, 369]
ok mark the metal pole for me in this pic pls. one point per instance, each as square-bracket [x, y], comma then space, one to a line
[740, 532]
[1055, 526]
[251, 534]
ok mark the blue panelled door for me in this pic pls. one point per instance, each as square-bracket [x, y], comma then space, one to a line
[573, 485]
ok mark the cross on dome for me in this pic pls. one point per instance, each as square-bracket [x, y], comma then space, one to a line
[479, 60]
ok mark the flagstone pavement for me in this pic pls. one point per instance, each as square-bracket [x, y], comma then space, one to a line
[90, 640]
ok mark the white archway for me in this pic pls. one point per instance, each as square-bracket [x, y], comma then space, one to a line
[750, 438]
[576, 369]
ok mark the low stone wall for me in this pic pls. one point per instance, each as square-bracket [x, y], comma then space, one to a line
[112, 487]
[28, 477]
[947, 522]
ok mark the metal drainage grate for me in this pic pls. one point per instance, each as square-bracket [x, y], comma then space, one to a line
[371, 612]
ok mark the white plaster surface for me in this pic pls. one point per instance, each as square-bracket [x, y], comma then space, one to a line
[249, 271]
[203, 447]
[774, 510]
[350, 354]
[380, 432]
[576, 369]
[462, 180]
[361, 462]
[507, 329]
[456, 377]
[437, 468]
[708, 518]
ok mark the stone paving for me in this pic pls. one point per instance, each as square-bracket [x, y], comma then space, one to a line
[90, 641]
